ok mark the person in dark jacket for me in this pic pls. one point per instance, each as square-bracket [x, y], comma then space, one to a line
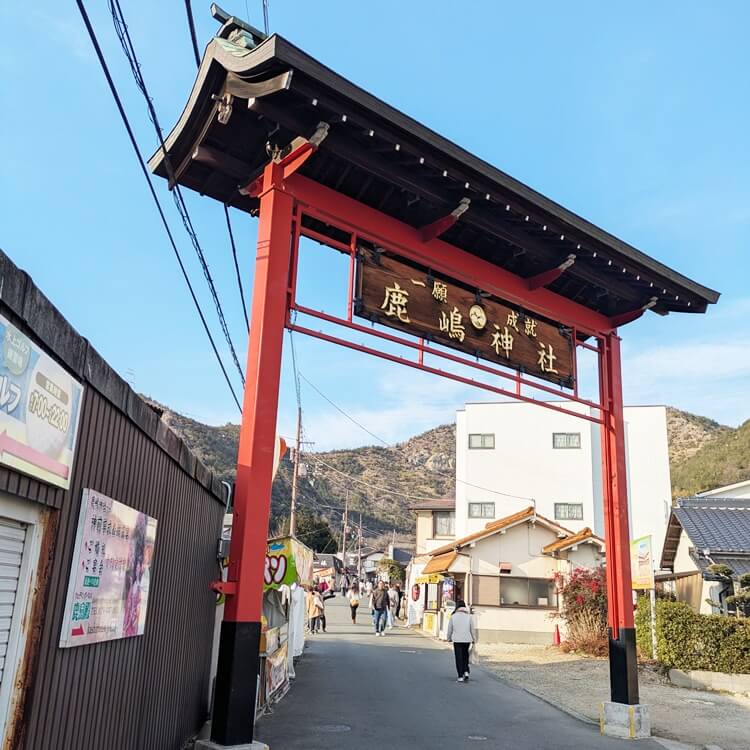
[380, 604]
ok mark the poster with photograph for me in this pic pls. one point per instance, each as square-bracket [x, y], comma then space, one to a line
[641, 564]
[110, 574]
[40, 405]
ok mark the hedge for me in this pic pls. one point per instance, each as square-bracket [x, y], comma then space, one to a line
[687, 640]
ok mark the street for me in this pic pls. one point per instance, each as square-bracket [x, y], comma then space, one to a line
[355, 690]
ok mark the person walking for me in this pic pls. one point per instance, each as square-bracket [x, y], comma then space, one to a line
[461, 632]
[322, 613]
[353, 597]
[380, 604]
[392, 605]
[315, 608]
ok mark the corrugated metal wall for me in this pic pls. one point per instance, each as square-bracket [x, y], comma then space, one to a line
[147, 692]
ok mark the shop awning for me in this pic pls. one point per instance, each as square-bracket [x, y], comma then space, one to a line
[440, 563]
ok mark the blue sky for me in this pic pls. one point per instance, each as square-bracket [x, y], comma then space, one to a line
[636, 118]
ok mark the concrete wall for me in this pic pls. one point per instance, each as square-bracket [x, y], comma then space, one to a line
[524, 464]
[509, 625]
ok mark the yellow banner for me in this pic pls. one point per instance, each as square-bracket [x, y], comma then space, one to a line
[431, 578]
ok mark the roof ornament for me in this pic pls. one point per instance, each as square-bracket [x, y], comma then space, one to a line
[223, 107]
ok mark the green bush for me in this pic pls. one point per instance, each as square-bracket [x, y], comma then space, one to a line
[687, 640]
[643, 628]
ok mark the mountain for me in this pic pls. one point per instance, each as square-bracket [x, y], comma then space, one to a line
[379, 482]
[688, 433]
[723, 460]
[382, 482]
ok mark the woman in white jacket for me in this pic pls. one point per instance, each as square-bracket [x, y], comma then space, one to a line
[461, 632]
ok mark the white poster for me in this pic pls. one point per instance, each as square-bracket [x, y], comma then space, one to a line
[110, 573]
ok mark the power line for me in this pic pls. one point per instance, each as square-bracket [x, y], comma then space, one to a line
[121, 29]
[196, 52]
[147, 176]
[388, 445]
[191, 24]
[369, 484]
[265, 16]
[236, 265]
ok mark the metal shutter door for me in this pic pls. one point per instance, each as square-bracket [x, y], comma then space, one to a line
[12, 538]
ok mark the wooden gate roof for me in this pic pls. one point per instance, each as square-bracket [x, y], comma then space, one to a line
[245, 99]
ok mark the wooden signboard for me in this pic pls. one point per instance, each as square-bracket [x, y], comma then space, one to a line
[399, 295]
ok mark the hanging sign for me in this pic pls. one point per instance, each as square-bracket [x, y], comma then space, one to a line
[39, 408]
[288, 561]
[399, 295]
[110, 573]
[641, 564]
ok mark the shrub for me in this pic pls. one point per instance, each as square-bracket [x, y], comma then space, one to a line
[687, 640]
[584, 610]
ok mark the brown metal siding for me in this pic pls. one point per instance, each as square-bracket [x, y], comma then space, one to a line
[147, 692]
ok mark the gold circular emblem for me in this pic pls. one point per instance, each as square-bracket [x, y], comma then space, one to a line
[478, 317]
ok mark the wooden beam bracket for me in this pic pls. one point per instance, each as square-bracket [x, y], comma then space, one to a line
[547, 277]
[629, 317]
[444, 223]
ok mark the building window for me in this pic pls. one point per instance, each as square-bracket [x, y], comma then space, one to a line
[481, 441]
[527, 592]
[566, 439]
[481, 510]
[493, 591]
[444, 523]
[569, 511]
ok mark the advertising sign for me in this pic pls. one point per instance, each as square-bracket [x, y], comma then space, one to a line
[448, 593]
[400, 295]
[287, 562]
[110, 574]
[642, 563]
[39, 408]
[276, 670]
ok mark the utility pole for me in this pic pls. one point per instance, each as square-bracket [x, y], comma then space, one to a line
[295, 476]
[343, 539]
[359, 550]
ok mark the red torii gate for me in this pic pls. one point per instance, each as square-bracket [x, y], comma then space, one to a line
[273, 132]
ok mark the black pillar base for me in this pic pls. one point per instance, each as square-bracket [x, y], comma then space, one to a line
[623, 667]
[236, 683]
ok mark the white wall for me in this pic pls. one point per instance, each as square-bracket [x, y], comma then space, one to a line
[649, 482]
[426, 542]
[740, 490]
[683, 563]
[524, 464]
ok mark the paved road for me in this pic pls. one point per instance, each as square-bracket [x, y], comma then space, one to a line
[356, 691]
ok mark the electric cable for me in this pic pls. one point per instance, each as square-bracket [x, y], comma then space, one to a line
[191, 24]
[147, 176]
[422, 466]
[123, 34]
[196, 52]
[236, 266]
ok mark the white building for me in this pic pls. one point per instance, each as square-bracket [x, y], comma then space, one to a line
[531, 453]
[738, 491]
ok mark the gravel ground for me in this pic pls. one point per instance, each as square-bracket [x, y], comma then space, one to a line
[580, 684]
